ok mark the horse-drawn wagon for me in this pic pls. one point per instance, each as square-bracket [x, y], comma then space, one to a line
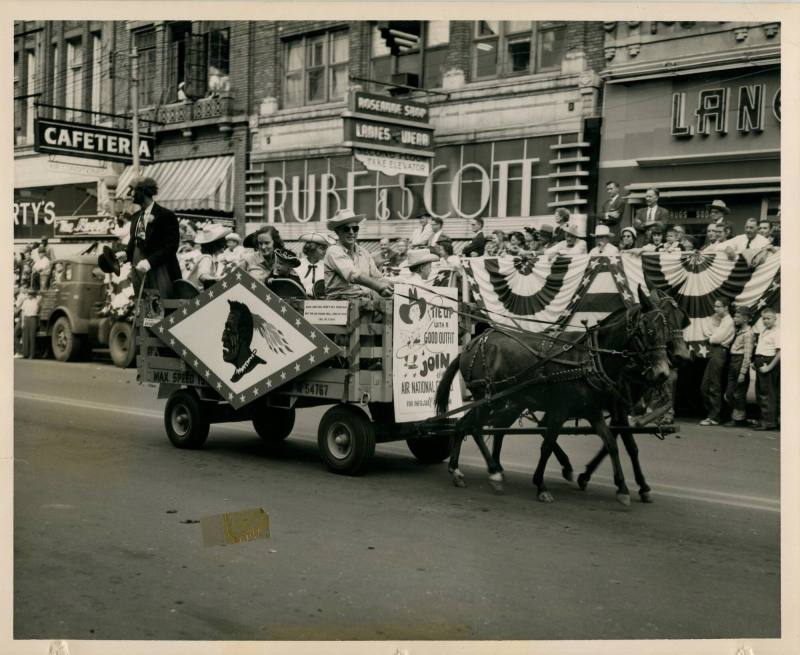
[334, 353]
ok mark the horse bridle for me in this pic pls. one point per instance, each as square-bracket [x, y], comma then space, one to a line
[644, 335]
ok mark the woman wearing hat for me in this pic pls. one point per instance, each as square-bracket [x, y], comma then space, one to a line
[571, 245]
[284, 280]
[603, 236]
[627, 239]
[211, 240]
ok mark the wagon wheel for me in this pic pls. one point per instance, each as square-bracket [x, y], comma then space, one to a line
[274, 424]
[430, 450]
[186, 420]
[346, 439]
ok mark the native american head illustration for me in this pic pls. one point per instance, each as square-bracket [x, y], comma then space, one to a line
[237, 337]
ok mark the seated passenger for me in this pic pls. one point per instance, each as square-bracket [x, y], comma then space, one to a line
[284, 281]
[206, 269]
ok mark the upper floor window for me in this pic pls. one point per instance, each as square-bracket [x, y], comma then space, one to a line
[97, 76]
[200, 63]
[517, 47]
[74, 82]
[315, 68]
[424, 58]
[146, 68]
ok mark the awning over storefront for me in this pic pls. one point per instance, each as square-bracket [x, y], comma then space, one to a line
[204, 184]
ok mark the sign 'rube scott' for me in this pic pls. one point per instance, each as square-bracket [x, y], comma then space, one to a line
[389, 135]
[90, 141]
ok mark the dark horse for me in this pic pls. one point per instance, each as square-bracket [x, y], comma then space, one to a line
[678, 353]
[574, 376]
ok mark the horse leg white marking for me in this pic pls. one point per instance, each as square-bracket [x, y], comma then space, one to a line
[496, 480]
[458, 478]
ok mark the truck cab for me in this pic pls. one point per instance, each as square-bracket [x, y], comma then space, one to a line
[70, 312]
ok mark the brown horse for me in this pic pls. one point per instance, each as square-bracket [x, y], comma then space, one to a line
[679, 355]
[576, 376]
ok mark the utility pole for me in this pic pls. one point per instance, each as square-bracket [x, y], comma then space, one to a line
[134, 64]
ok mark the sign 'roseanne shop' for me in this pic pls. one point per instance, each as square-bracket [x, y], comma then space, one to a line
[507, 178]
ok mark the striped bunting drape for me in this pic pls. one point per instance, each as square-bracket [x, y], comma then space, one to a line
[562, 293]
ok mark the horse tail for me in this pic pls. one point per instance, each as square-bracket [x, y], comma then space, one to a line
[443, 390]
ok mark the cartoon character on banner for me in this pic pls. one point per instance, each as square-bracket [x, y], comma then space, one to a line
[413, 313]
[237, 337]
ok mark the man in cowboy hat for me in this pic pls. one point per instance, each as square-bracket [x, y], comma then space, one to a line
[571, 245]
[350, 271]
[155, 237]
[603, 235]
[717, 211]
[311, 268]
[420, 263]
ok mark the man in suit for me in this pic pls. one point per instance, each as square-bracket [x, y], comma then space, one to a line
[155, 237]
[613, 208]
[476, 247]
[649, 214]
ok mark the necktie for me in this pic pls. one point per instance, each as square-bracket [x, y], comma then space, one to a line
[749, 241]
[650, 213]
[312, 271]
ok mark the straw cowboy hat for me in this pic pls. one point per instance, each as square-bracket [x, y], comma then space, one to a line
[316, 237]
[720, 205]
[571, 228]
[421, 256]
[603, 231]
[344, 217]
[211, 232]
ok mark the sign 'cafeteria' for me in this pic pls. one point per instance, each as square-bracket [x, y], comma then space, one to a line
[90, 141]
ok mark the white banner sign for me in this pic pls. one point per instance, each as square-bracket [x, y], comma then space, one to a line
[325, 312]
[425, 342]
[393, 163]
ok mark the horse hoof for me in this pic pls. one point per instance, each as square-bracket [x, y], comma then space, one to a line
[497, 487]
[567, 474]
[459, 482]
[545, 497]
[583, 480]
[624, 499]
[645, 497]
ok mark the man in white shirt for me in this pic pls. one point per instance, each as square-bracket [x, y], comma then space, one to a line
[750, 240]
[29, 313]
[312, 268]
[422, 235]
[651, 212]
[720, 334]
[571, 245]
[436, 226]
[603, 235]
[714, 239]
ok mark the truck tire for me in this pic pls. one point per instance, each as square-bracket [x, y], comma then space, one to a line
[121, 344]
[430, 450]
[65, 344]
[274, 424]
[346, 439]
[186, 420]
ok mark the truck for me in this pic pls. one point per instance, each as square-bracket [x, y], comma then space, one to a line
[82, 310]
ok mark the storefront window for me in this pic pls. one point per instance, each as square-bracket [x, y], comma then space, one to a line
[508, 47]
[316, 68]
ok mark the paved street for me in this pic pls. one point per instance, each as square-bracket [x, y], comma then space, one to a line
[102, 548]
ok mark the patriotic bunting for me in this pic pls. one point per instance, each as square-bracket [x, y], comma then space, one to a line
[567, 293]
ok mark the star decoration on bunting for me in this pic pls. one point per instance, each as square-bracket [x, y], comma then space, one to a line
[702, 351]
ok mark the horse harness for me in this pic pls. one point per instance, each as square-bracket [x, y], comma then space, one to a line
[590, 368]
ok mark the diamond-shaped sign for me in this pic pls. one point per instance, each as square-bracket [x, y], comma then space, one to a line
[243, 340]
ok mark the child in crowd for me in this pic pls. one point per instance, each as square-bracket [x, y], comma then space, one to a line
[739, 367]
[767, 365]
